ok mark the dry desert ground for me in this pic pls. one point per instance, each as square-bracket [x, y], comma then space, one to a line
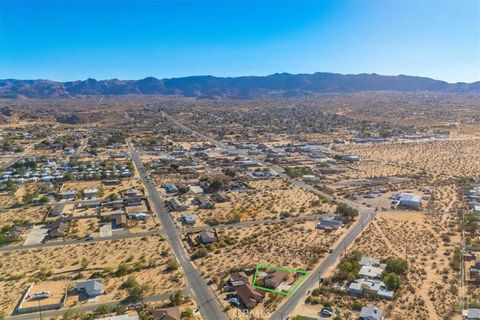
[268, 200]
[458, 158]
[290, 245]
[430, 288]
[146, 257]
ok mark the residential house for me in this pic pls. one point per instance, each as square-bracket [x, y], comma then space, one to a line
[170, 188]
[369, 261]
[58, 228]
[238, 279]
[249, 295]
[130, 202]
[91, 288]
[206, 237]
[57, 210]
[117, 204]
[68, 194]
[119, 218]
[369, 272]
[188, 218]
[311, 179]
[177, 205]
[369, 287]
[329, 224]
[371, 313]
[172, 313]
[131, 193]
[193, 189]
[204, 203]
[138, 216]
[90, 192]
[474, 273]
[89, 204]
[275, 277]
[472, 314]
[110, 182]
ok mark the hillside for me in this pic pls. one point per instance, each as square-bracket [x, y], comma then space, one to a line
[232, 87]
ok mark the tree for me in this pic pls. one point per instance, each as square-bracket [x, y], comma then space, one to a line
[172, 265]
[392, 281]
[84, 263]
[135, 289]
[102, 310]
[346, 211]
[187, 314]
[397, 266]
[68, 315]
[176, 299]
[230, 172]
[215, 185]
[11, 185]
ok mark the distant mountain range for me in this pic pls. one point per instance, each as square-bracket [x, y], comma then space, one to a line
[283, 84]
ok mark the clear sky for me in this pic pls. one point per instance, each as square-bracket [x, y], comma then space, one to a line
[71, 40]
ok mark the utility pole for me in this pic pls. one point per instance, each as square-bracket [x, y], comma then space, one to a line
[40, 309]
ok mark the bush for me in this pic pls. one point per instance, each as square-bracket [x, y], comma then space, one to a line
[176, 299]
[199, 253]
[172, 265]
[397, 266]
[346, 211]
[392, 281]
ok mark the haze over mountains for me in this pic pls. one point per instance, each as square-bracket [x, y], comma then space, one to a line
[283, 84]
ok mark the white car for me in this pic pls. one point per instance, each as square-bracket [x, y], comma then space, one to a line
[41, 295]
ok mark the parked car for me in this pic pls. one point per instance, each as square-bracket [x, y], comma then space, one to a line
[327, 312]
[41, 295]
[234, 301]
[228, 289]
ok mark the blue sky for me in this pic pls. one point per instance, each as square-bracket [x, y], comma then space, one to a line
[70, 40]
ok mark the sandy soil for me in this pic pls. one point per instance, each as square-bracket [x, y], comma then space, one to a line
[149, 254]
[292, 245]
[457, 158]
[372, 169]
[430, 288]
[125, 184]
[268, 200]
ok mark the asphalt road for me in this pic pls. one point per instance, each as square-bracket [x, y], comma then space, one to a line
[85, 308]
[366, 216]
[208, 304]
[314, 277]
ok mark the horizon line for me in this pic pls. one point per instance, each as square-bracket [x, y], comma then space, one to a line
[241, 76]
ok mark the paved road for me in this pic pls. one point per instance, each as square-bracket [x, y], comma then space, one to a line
[208, 304]
[85, 308]
[314, 277]
[59, 243]
[366, 216]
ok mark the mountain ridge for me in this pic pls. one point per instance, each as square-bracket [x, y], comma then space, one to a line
[242, 87]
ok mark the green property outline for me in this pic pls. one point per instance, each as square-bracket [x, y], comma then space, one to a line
[291, 291]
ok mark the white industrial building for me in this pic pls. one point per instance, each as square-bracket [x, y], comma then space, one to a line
[410, 200]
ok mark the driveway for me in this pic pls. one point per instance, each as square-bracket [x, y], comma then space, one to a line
[106, 230]
[36, 235]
